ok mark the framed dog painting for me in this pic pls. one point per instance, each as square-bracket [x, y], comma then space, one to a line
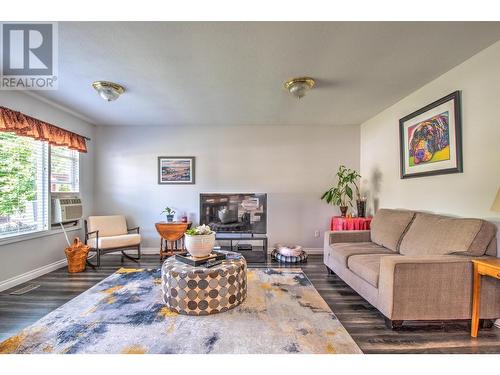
[430, 139]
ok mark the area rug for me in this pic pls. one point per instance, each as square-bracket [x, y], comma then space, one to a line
[124, 313]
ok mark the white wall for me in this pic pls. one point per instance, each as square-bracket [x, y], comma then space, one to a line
[293, 165]
[470, 193]
[25, 256]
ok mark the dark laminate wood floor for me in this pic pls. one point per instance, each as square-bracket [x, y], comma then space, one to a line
[362, 321]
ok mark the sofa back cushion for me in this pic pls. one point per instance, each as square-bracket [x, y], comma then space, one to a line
[491, 250]
[388, 226]
[485, 241]
[440, 235]
[114, 225]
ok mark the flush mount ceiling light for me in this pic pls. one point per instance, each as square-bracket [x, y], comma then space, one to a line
[299, 86]
[109, 91]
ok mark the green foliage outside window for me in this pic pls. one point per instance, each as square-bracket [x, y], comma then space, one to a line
[17, 173]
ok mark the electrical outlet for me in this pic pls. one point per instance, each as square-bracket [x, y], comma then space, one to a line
[316, 233]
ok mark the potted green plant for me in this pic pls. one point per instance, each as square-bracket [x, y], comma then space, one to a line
[169, 213]
[342, 193]
[200, 241]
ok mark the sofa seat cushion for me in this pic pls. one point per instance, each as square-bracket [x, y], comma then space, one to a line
[388, 226]
[110, 242]
[440, 235]
[367, 266]
[341, 252]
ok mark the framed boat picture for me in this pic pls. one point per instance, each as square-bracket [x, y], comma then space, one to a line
[430, 139]
[176, 170]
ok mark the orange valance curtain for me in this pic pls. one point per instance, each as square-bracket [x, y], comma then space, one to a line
[21, 124]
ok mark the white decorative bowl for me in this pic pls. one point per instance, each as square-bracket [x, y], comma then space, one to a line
[201, 245]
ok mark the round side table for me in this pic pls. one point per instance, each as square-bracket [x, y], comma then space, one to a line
[199, 290]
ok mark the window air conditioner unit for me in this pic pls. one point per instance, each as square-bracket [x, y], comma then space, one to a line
[67, 209]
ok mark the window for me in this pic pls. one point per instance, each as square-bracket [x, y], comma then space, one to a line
[64, 170]
[23, 185]
[24, 182]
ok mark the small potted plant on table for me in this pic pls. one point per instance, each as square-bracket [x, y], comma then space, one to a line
[341, 194]
[200, 241]
[169, 213]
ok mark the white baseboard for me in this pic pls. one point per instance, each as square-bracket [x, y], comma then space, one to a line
[30, 275]
[155, 250]
[150, 250]
[314, 250]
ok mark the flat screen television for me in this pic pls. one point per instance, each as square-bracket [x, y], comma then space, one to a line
[235, 212]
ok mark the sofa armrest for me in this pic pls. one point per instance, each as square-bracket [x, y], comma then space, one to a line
[135, 229]
[346, 236]
[432, 288]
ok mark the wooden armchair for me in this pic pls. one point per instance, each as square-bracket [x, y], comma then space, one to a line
[106, 234]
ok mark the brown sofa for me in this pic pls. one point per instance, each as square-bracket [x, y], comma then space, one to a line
[416, 266]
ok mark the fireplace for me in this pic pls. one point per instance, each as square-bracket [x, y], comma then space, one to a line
[234, 212]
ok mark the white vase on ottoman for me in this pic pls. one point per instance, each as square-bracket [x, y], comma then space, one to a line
[200, 241]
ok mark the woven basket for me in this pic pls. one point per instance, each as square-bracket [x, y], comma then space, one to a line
[77, 256]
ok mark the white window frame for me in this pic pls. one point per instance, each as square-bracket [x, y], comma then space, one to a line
[77, 182]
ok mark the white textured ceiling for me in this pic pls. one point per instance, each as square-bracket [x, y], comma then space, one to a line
[232, 73]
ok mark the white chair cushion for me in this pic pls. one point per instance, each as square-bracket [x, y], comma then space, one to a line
[110, 242]
[114, 225]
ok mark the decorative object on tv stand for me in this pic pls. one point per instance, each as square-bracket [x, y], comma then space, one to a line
[430, 139]
[341, 195]
[176, 170]
[169, 213]
[200, 241]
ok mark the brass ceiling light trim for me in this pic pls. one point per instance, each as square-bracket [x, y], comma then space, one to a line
[109, 91]
[299, 86]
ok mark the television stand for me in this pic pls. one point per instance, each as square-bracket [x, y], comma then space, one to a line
[252, 253]
[244, 247]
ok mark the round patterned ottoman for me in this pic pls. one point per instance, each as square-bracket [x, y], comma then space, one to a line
[201, 291]
[301, 258]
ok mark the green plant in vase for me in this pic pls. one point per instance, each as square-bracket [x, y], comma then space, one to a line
[341, 194]
[169, 213]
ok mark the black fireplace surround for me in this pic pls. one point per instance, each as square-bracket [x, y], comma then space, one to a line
[234, 212]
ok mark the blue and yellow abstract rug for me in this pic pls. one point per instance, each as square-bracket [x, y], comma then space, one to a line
[124, 313]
